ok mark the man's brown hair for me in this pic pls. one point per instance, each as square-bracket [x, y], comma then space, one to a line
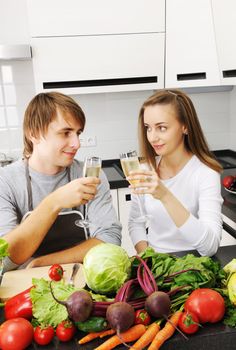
[42, 110]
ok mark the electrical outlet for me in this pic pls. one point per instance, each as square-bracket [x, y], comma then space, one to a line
[88, 141]
[91, 141]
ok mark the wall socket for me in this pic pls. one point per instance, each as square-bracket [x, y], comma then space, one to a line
[88, 141]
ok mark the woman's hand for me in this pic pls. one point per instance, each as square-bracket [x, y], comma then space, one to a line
[147, 182]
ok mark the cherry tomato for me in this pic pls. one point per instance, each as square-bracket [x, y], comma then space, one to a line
[228, 180]
[43, 335]
[16, 334]
[65, 330]
[207, 304]
[142, 317]
[55, 272]
[188, 322]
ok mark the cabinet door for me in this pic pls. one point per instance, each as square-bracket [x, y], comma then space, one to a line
[124, 206]
[104, 63]
[191, 57]
[90, 17]
[224, 14]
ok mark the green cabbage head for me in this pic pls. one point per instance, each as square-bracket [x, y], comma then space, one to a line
[106, 268]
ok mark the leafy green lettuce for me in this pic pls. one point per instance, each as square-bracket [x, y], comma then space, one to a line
[45, 309]
[3, 248]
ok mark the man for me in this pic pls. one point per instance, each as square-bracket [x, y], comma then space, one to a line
[42, 195]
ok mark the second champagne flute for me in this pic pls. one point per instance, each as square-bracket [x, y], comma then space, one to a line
[92, 167]
[130, 162]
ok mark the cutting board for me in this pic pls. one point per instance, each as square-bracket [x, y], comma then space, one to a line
[14, 282]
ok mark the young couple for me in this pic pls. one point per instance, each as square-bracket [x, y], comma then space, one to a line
[42, 195]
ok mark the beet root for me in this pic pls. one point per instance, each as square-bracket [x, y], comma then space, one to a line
[120, 316]
[79, 305]
[158, 304]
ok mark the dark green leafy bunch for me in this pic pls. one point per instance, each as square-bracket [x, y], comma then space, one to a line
[171, 272]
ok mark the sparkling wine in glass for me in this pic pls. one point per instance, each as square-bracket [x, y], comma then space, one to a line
[130, 162]
[92, 167]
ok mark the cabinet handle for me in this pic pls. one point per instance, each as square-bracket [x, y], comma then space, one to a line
[191, 76]
[231, 73]
[128, 197]
[99, 82]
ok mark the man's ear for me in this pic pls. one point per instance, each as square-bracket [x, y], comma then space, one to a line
[34, 140]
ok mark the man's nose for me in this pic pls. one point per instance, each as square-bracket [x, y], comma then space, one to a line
[75, 141]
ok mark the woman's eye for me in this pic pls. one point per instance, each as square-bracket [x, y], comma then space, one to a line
[163, 128]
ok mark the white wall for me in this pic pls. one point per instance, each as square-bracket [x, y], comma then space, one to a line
[111, 117]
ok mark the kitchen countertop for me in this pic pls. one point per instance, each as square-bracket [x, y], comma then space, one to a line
[209, 337]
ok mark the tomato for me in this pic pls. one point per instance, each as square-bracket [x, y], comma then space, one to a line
[55, 272]
[188, 322]
[142, 317]
[207, 304]
[16, 334]
[228, 180]
[65, 331]
[43, 335]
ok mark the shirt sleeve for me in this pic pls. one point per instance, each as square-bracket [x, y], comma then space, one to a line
[105, 225]
[8, 212]
[204, 231]
[137, 230]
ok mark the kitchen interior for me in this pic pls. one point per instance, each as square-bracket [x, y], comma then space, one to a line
[94, 54]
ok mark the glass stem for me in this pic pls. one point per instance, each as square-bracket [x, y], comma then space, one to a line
[86, 212]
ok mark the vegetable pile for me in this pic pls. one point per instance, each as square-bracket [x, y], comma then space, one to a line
[153, 296]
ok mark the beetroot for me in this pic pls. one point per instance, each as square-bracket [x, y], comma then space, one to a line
[79, 305]
[120, 316]
[158, 304]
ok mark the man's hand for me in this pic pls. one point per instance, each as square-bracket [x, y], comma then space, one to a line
[76, 192]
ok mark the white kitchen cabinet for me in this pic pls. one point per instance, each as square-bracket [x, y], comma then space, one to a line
[124, 207]
[224, 15]
[191, 57]
[103, 63]
[14, 22]
[91, 17]
[227, 239]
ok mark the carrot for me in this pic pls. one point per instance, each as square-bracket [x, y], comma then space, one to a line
[130, 335]
[93, 335]
[147, 337]
[166, 332]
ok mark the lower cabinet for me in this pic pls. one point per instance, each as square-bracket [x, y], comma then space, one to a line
[121, 201]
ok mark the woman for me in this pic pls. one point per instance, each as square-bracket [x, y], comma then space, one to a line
[182, 196]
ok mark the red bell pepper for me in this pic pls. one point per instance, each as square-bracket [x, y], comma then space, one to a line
[19, 306]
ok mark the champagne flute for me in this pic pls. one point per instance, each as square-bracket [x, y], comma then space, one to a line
[130, 162]
[92, 167]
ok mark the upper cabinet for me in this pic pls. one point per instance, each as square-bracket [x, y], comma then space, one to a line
[90, 46]
[91, 17]
[224, 15]
[191, 56]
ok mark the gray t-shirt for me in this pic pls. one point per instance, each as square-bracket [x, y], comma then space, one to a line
[14, 199]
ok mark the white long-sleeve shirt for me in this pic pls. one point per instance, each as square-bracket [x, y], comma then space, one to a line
[198, 188]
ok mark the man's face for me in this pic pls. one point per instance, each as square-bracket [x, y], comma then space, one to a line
[57, 148]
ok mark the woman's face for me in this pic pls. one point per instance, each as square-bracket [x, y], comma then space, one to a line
[164, 131]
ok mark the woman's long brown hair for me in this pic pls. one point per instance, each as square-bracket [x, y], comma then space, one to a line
[195, 141]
